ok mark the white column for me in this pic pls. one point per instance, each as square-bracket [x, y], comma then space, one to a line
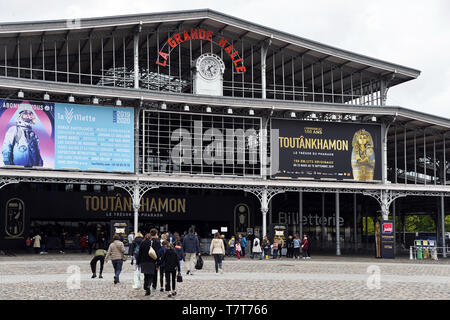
[136, 206]
[443, 225]
[264, 210]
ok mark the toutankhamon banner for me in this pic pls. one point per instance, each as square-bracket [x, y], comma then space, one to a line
[326, 150]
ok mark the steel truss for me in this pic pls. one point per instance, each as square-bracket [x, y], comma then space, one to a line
[264, 193]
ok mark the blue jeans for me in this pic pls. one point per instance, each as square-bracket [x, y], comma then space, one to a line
[117, 264]
[275, 253]
[260, 255]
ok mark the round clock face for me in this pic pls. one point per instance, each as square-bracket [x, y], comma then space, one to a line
[209, 68]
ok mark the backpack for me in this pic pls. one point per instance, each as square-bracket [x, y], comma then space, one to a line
[136, 248]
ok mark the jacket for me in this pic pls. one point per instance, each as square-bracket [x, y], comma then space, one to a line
[304, 244]
[170, 260]
[256, 246]
[217, 247]
[136, 242]
[191, 244]
[180, 253]
[161, 253]
[147, 264]
[116, 250]
[243, 242]
[100, 253]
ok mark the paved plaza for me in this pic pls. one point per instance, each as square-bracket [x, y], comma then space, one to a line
[68, 277]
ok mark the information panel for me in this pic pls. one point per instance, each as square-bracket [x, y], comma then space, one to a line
[326, 150]
[89, 137]
[66, 136]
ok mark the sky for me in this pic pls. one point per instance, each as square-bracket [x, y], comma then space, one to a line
[411, 33]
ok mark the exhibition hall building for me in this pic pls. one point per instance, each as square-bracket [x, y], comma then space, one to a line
[197, 119]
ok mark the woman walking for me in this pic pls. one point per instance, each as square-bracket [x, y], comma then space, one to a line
[146, 263]
[172, 264]
[238, 249]
[297, 243]
[217, 250]
[116, 250]
[180, 253]
[304, 245]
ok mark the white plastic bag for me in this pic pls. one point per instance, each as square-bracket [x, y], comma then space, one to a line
[137, 279]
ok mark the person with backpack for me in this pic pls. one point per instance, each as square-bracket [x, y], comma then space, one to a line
[134, 246]
[146, 263]
[256, 248]
[162, 265]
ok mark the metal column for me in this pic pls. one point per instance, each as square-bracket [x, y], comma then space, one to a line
[443, 226]
[136, 206]
[338, 238]
[300, 210]
[264, 210]
[355, 231]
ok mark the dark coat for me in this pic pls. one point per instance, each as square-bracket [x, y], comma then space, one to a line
[170, 259]
[136, 242]
[191, 244]
[147, 264]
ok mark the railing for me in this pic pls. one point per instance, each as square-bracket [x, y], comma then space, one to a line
[427, 253]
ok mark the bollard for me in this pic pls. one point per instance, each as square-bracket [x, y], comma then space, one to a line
[410, 253]
[419, 254]
[434, 255]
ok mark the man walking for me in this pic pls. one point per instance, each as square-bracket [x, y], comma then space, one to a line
[191, 248]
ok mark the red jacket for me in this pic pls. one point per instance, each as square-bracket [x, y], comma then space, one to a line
[304, 244]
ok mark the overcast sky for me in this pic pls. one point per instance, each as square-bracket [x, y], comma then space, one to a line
[412, 33]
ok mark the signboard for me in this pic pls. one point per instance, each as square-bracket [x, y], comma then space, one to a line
[326, 150]
[387, 239]
[66, 136]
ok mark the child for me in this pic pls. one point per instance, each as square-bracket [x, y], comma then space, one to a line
[267, 249]
[162, 265]
[180, 253]
[238, 249]
[171, 262]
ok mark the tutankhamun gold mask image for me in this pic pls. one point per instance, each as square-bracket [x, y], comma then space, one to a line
[363, 156]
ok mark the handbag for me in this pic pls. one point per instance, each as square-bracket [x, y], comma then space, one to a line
[179, 277]
[199, 264]
[152, 252]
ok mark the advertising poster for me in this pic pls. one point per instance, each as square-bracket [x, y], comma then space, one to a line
[327, 150]
[27, 133]
[66, 136]
[94, 138]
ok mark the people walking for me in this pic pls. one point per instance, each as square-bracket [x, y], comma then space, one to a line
[134, 246]
[180, 253]
[231, 245]
[222, 236]
[116, 250]
[275, 248]
[297, 244]
[62, 240]
[36, 243]
[99, 255]
[171, 265]
[162, 265]
[289, 247]
[191, 248]
[267, 247]
[146, 263]
[304, 245]
[256, 248]
[238, 249]
[217, 250]
[243, 245]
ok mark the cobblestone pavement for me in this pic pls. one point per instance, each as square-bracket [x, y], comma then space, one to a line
[68, 277]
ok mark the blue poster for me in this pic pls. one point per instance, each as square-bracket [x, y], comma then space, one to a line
[94, 138]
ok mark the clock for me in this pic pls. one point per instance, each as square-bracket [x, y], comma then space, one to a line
[208, 75]
[209, 66]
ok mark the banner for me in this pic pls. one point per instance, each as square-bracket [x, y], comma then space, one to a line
[327, 150]
[66, 136]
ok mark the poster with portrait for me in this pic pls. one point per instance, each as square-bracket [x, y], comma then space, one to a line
[27, 134]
